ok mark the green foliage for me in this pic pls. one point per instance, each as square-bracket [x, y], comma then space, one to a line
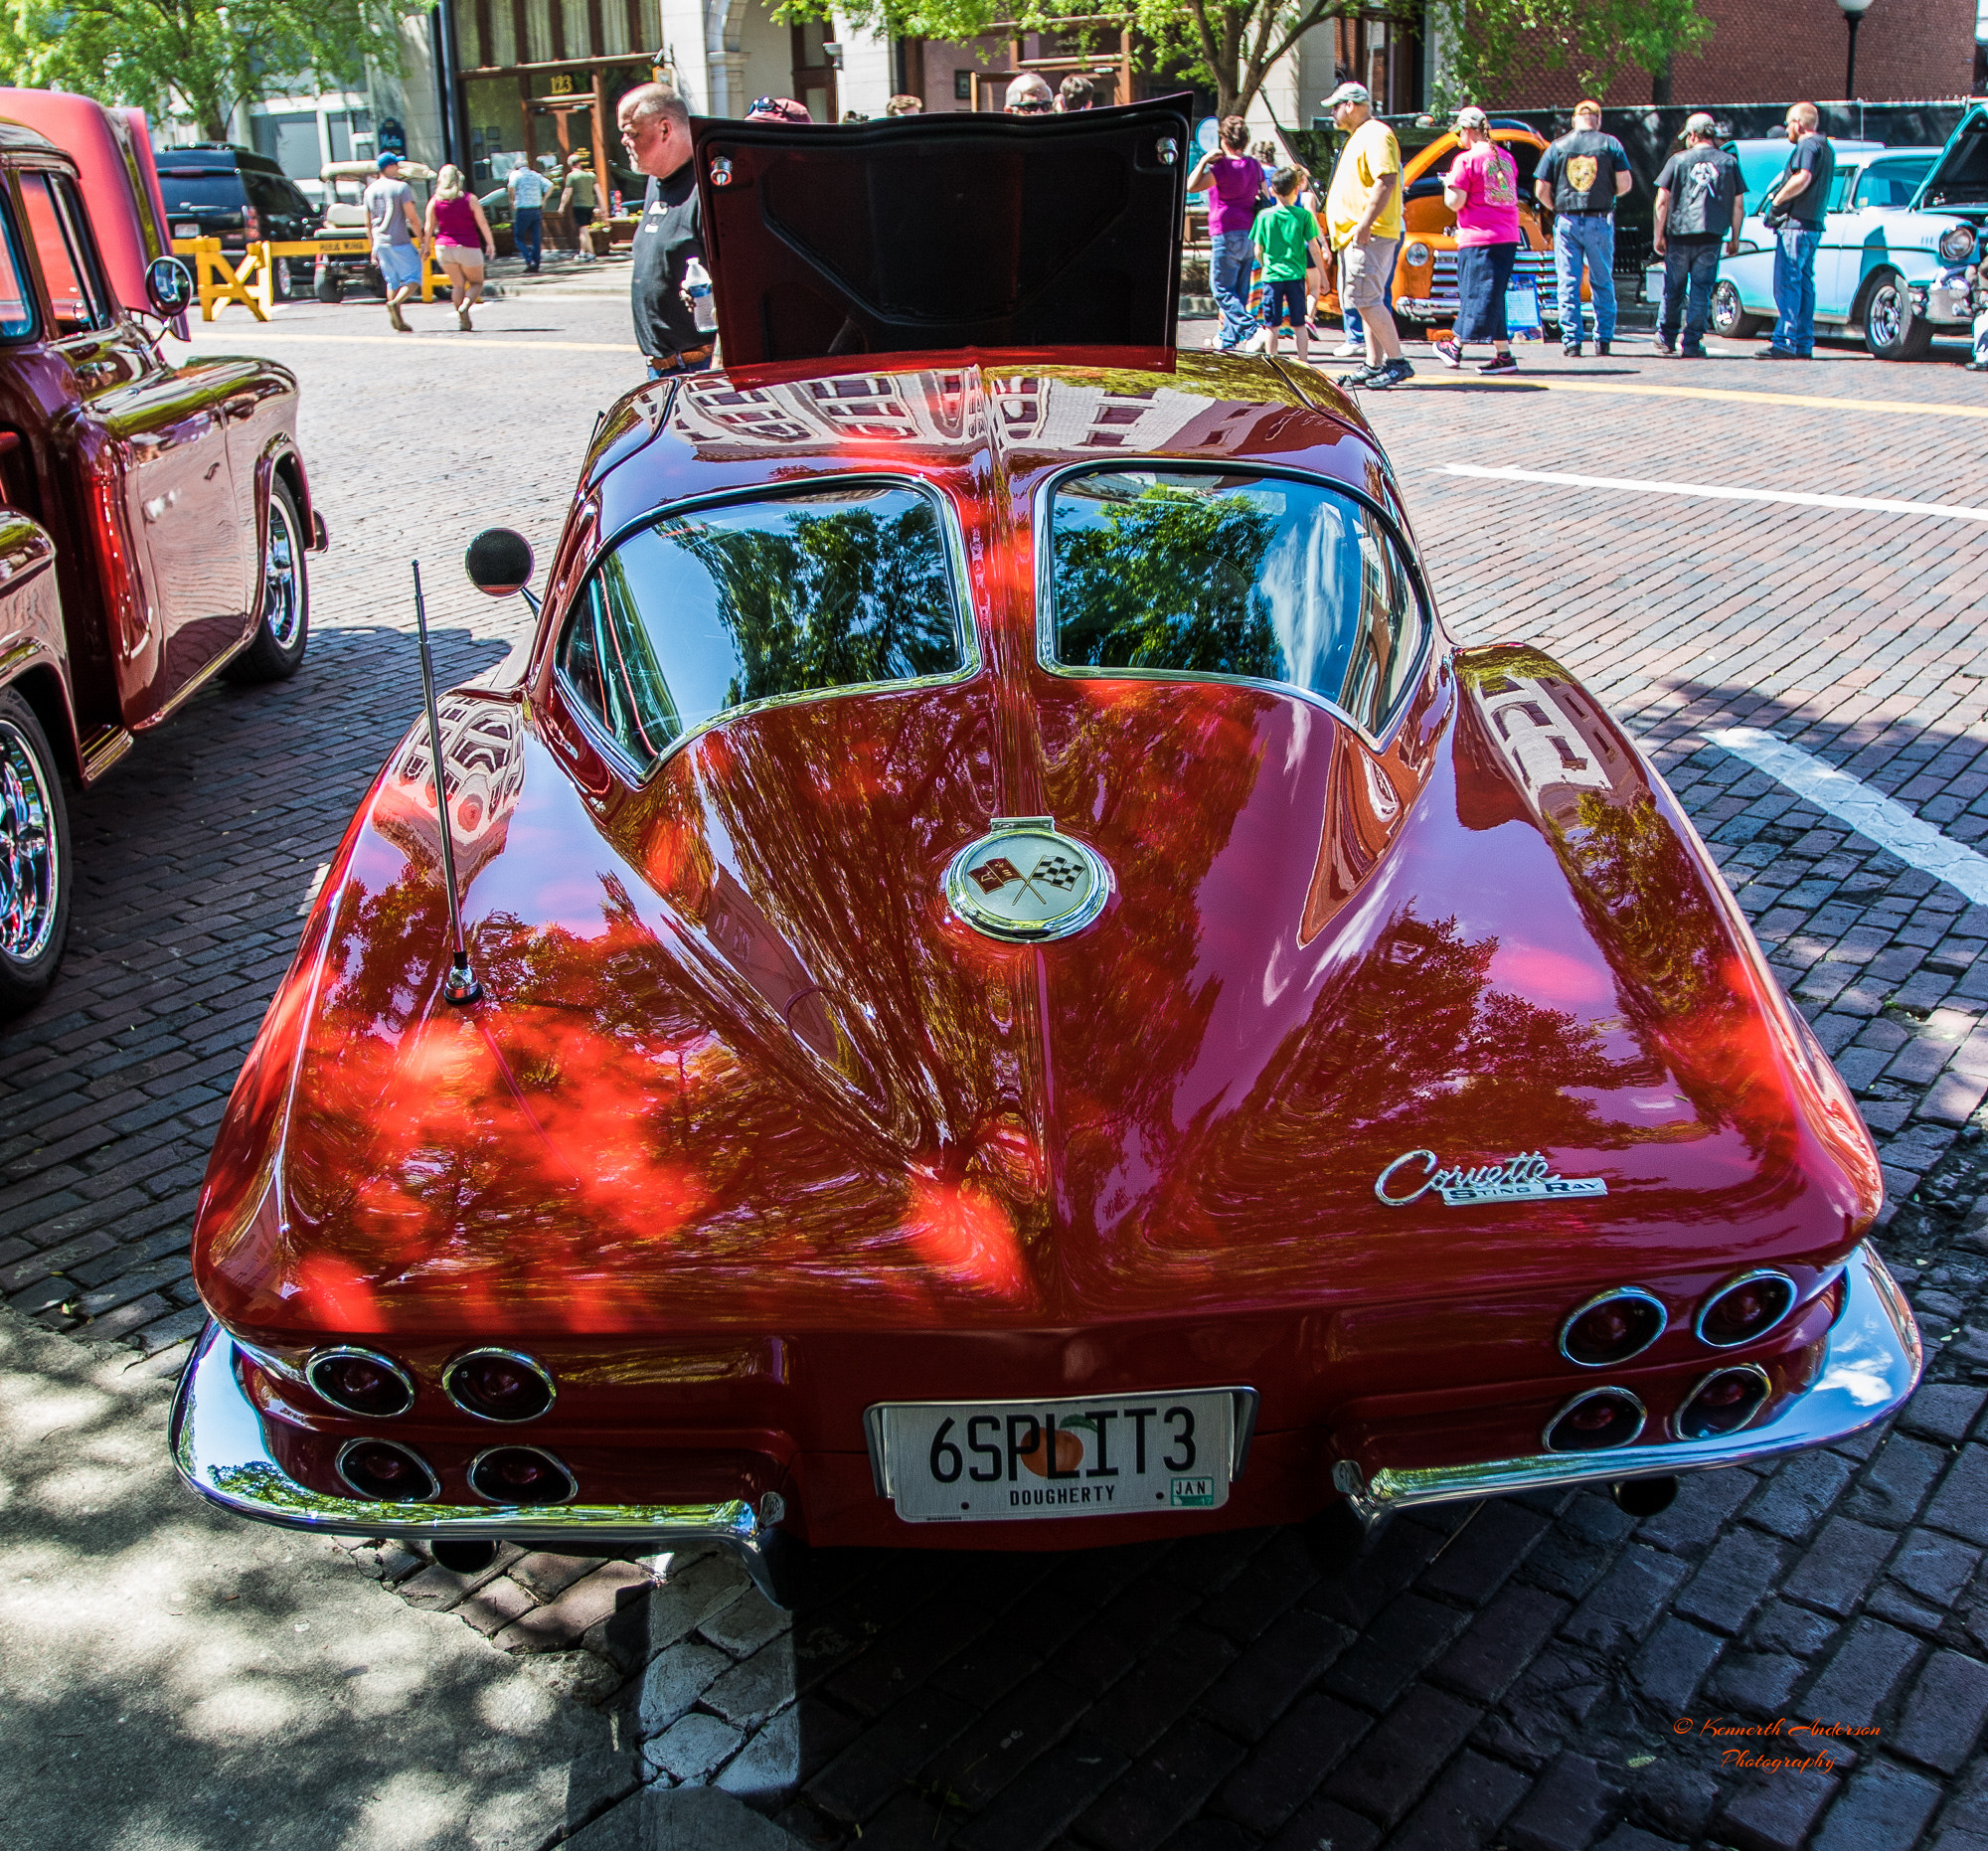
[1167, 581]
[1226, 44]
[207, 55]
[1600, 41]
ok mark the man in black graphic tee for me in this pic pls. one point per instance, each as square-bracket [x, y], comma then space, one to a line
[1794, 210]
[1579, 178]
[655, 129]
[1699, 207]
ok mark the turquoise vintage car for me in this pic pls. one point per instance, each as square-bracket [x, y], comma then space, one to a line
[1900, 230]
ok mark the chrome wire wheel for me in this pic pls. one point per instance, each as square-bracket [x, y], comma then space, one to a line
[30, 849]
[1886, 317]
[282, 604]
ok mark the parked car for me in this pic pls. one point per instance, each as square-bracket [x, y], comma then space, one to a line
[217, 190]
[153, 516]
[1426, 271]
[1886, 263]
[1016, 988]
[345, 184]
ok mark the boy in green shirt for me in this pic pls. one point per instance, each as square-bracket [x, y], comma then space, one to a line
[1286, 239]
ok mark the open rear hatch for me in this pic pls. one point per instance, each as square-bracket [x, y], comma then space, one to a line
[933, 232]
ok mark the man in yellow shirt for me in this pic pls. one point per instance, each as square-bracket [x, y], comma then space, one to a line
[1363, 214]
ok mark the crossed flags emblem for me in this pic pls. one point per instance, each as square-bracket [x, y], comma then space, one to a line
[1052, 870]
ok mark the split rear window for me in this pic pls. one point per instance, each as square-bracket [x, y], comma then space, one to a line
[1238, 573]
[709, 609]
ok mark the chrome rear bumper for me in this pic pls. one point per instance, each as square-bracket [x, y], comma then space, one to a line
[218, 1449]
[1871, 1362]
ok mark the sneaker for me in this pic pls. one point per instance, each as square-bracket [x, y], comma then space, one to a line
[1256, 343]
[1449, 353]
[1349, 350]
[1500, 363]
[1572, 352]
[1693, 353]
[1393, 372]
[462, 321]
[398, 320]
[1361, 376]
[1601, 348]
[1666, 346]
[1772, 352]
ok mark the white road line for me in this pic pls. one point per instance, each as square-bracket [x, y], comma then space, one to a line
[1871, 814]
[1720, 491]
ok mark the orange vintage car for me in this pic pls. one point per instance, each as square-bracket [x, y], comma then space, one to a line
[1426, 271]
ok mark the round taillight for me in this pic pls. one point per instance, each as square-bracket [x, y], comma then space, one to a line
[360, 1381]
[1612, 1327]
[1724, 1403]
[498, 1385]
[1595, 1421]
[387, 1471]
[1744, 1308]
[520, 1475]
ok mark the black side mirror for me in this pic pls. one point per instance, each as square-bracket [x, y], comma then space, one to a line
[169, 286]
[499, 562]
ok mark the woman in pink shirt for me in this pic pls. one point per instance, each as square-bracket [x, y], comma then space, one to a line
[1482, 189]
[1235, 183]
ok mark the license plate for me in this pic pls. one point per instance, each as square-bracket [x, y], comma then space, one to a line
[1084, 1457]
[186, 230]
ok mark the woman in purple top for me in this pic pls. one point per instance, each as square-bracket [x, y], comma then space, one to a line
[461, 237]
[1235, 183]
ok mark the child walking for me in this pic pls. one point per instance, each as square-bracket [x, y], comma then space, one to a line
[1286, 239]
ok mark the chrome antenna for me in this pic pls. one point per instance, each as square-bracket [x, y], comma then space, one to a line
[460, 986]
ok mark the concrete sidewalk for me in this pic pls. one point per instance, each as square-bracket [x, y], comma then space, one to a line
[173, 1678]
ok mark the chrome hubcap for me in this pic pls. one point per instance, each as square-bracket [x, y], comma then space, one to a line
[1886, 317]
[282, 606]
[29, 871]
[1725, 307]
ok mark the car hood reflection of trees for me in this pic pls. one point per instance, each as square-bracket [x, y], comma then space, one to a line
[739, 1065]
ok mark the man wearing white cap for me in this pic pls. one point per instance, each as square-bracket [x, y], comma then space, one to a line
[1700, 203]
[1363, 212]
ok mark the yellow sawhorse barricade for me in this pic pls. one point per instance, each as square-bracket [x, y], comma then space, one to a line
[252, 282]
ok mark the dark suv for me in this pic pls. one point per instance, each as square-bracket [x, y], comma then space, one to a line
[217, 190]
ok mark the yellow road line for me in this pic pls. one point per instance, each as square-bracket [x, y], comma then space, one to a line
[1808, 401]
[480, 341]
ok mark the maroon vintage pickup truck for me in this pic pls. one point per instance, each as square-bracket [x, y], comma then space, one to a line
[156, 515]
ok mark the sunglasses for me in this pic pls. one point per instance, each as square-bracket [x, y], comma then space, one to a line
[1033, 108]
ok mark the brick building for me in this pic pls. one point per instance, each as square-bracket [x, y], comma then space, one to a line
[1765, 51]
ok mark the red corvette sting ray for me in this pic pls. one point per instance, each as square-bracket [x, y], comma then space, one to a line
[1025, 994]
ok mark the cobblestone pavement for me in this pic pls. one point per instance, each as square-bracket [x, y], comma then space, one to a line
[1531, 1673]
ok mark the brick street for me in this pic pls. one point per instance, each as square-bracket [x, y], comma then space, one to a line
[1533, 1672]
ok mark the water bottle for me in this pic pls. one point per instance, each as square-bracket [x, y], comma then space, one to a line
[697, 288]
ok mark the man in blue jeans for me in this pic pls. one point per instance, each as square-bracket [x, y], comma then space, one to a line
[528, 188]
[1579, 179]
[1794, 207]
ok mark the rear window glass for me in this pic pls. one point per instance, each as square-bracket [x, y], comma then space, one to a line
[193, 192]
[705, 610]
[1232, 572]
[17, 310]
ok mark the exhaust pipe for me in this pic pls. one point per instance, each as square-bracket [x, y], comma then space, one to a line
[1644, 1497]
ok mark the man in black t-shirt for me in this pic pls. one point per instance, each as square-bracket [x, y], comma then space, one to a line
[1794, 210]
[1698, 204]
[655, 129]
[1579, 179]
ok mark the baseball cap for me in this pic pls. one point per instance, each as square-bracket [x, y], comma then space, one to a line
[1348, 91]
[1699, 123]
[1470, 117]
[385, 161]
[1030, 89]
[1588, 106]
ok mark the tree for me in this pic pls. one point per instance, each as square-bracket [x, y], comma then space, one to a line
[207, 56]
[1229, 45]
[1600, 41]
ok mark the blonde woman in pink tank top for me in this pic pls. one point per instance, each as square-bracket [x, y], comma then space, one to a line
[463, 238]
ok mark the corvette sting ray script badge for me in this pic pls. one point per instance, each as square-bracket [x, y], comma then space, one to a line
[1527, 1177]
[1024, 880]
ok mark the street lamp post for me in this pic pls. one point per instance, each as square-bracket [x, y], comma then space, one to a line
[1853, 15]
